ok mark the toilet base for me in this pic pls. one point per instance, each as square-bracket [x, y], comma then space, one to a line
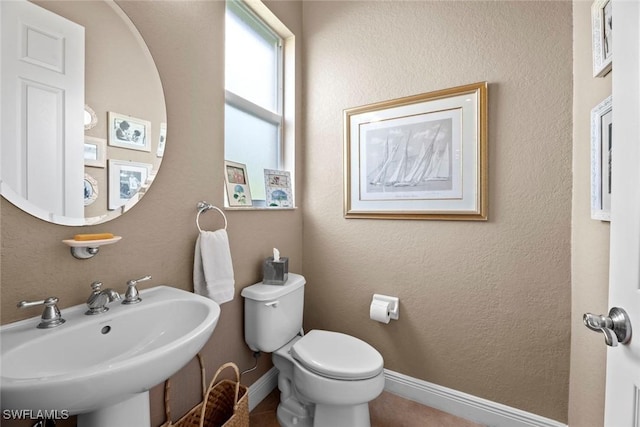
[326, 416]
[342, 416]
[289, 418]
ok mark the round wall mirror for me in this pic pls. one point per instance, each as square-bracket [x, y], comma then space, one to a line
[85, 100]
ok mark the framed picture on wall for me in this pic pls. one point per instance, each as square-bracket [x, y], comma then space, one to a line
[95, 152]
[419, 157]
[90, 189]
[602, 37]
[601, 134]
[90, 118]
[237, 184]
[129, 132]
[127, 181]
[162, 140]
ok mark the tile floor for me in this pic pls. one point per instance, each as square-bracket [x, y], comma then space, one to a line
[388, 410]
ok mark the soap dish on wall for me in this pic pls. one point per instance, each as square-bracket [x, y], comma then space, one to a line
[84, 249]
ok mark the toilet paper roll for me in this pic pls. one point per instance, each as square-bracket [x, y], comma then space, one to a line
[379, 311]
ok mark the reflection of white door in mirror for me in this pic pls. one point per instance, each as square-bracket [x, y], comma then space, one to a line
[42, 80]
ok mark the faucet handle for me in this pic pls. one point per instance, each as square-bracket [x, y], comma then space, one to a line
[95, 286]
[51, 316]
[131, 296]
[135, 282]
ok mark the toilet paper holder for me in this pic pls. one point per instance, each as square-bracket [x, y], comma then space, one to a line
[394, 304]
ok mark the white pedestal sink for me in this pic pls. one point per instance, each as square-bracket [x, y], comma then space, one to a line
[101, 367]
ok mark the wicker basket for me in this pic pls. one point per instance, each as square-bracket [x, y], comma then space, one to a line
[224, 404]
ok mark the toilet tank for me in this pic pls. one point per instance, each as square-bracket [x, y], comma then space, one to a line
[273, 313]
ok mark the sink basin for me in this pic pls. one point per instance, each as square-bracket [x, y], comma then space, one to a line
[93, 362]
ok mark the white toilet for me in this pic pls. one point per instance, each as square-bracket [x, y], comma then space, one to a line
[326, 378]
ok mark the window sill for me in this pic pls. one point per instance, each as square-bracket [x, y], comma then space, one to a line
[257, 208]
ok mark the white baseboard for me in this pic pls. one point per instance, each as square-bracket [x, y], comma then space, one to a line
[461, 404]
[262, 387]
[445, 399]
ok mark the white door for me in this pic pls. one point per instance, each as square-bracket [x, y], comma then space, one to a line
[622, 407]
[42, 130]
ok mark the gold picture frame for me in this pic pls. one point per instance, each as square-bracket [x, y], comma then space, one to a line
[419, 157]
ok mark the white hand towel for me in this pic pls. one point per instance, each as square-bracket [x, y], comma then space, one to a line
[212, 267]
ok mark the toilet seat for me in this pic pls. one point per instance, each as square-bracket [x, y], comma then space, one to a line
[338, 356]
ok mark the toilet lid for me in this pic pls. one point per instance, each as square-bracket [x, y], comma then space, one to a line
[336, 355]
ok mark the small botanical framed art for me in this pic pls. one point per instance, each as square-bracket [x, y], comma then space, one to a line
[602, 37]
[601, 138]
[95, 152]
[419, 157]
[278, 188]
[127, 180]
[129, 132]
[237, 184]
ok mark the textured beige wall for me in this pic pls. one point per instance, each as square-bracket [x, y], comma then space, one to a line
[590, 238]
[186, 41]
[485, 307]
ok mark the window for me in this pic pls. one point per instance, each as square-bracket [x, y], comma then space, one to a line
[254, 95]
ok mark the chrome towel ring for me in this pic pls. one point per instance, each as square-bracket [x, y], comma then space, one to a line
[203, 207]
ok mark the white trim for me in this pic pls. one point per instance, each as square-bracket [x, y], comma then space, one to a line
[249, 107]
[445, 399]
[262, 387]
[461, 404]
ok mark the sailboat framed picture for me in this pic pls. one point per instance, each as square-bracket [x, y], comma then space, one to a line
[419, 157]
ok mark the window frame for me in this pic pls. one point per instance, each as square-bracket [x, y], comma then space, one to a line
[266, 25]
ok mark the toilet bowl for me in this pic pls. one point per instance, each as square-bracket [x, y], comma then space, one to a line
[326, 379]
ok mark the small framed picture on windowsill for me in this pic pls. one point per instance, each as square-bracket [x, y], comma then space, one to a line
[277, 186]
[237, 184]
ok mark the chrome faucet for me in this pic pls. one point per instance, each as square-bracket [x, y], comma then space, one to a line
[132, 296]
[51, 316]
[99, 298]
